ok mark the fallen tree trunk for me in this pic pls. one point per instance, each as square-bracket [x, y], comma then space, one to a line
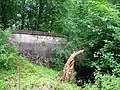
[66, 75]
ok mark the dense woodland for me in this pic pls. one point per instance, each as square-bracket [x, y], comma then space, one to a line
[92, 25]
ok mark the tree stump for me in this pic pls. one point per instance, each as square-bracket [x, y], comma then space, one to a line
[66, 75]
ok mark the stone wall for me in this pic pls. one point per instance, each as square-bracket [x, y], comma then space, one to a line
[37, 47]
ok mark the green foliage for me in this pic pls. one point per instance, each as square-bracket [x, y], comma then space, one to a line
[2, 84]
[9, 57]
[93, 26]
[43, 44]
[56, 63]
[34, 76]
[7, 13]
[104, 82]
[42, 15]
[116, 71]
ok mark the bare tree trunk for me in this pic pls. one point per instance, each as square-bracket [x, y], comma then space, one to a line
[40, 11]
[66, 75]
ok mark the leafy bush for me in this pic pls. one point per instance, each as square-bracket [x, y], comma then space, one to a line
[93, 26]
[116, 71]
[104, 82]
[56, 63]
[9, 57]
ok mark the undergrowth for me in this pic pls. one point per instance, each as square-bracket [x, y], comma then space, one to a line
[33, 76]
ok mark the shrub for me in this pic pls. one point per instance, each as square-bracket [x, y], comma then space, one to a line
[9, 57]
[93, 26]
[104, 82]
[116, 71]
[56, 63]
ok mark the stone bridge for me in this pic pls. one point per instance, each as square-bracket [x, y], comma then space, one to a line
[37, 46]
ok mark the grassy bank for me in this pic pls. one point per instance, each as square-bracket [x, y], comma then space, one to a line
[33, 77]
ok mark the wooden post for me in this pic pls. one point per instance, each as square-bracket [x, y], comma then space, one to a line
[18, 78]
